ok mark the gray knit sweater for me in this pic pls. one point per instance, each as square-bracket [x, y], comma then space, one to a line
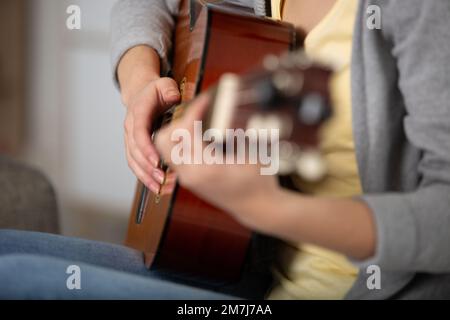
[401, 125]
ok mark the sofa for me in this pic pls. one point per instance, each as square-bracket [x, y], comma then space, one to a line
[27, 199]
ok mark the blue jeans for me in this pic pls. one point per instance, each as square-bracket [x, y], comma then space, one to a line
[33, 266]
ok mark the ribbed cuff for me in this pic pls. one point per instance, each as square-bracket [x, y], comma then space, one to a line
[396, 233]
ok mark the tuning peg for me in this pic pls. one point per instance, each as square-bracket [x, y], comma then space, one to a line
[256, 122]
[289, 84]
[271, 62]
[310, 165]
[301, 60]
[271, 122]
[267, 93]
[313, 109]
[288, 153]
[297, 59]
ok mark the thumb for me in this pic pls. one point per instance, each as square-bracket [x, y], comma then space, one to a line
[168, 91]
[163, 137]
[163, 143]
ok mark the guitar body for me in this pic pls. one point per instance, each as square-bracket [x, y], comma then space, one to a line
[181, 233]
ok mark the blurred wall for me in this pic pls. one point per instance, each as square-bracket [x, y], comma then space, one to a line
[11, 74]
[74, 118]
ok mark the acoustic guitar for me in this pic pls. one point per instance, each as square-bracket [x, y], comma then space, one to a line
[180, 232]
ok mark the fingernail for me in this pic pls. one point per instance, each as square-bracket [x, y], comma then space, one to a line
[153, 188]
[170, 177]
[172, 94]
[158, 175]
[154, 161]
[167, 190]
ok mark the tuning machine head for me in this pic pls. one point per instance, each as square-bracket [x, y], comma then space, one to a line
[288, 60]
[308, 164]
[313, 109]
[272, 121]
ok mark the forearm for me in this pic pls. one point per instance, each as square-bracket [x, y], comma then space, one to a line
[137, 68]
[343, 225]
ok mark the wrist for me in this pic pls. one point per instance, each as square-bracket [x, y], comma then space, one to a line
[259, 212]
[280, 211]
[138, 67]
[138, 79]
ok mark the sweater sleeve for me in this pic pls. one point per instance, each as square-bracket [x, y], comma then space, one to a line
[142, 22]
[413, 228]
[151, 23]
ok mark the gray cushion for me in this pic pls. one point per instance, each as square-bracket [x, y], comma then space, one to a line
[27, 199]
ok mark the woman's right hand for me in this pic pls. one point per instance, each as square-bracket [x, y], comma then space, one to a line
[146, 95]
[142, 156]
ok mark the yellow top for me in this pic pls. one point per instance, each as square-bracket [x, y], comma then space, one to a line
[276, 6]
[305, 271]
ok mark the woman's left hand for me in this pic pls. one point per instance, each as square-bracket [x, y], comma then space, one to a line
[239, 189]
[258, 202]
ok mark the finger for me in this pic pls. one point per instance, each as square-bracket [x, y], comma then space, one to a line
[158, 175]
[144, 178]
[142, 138]
[171, 177]
[196, 110]
[194, 113]
[147, 163]
[168, 188]
[164, 93]
[168, 91]
[141, 175]
[164, 144]
[169, 184]
[163, 138]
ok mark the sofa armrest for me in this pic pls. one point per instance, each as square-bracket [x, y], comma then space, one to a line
[27, 199]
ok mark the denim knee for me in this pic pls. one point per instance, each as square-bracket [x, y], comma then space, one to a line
[13, 268]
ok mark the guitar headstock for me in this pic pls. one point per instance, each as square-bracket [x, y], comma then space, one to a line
[291, 94]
